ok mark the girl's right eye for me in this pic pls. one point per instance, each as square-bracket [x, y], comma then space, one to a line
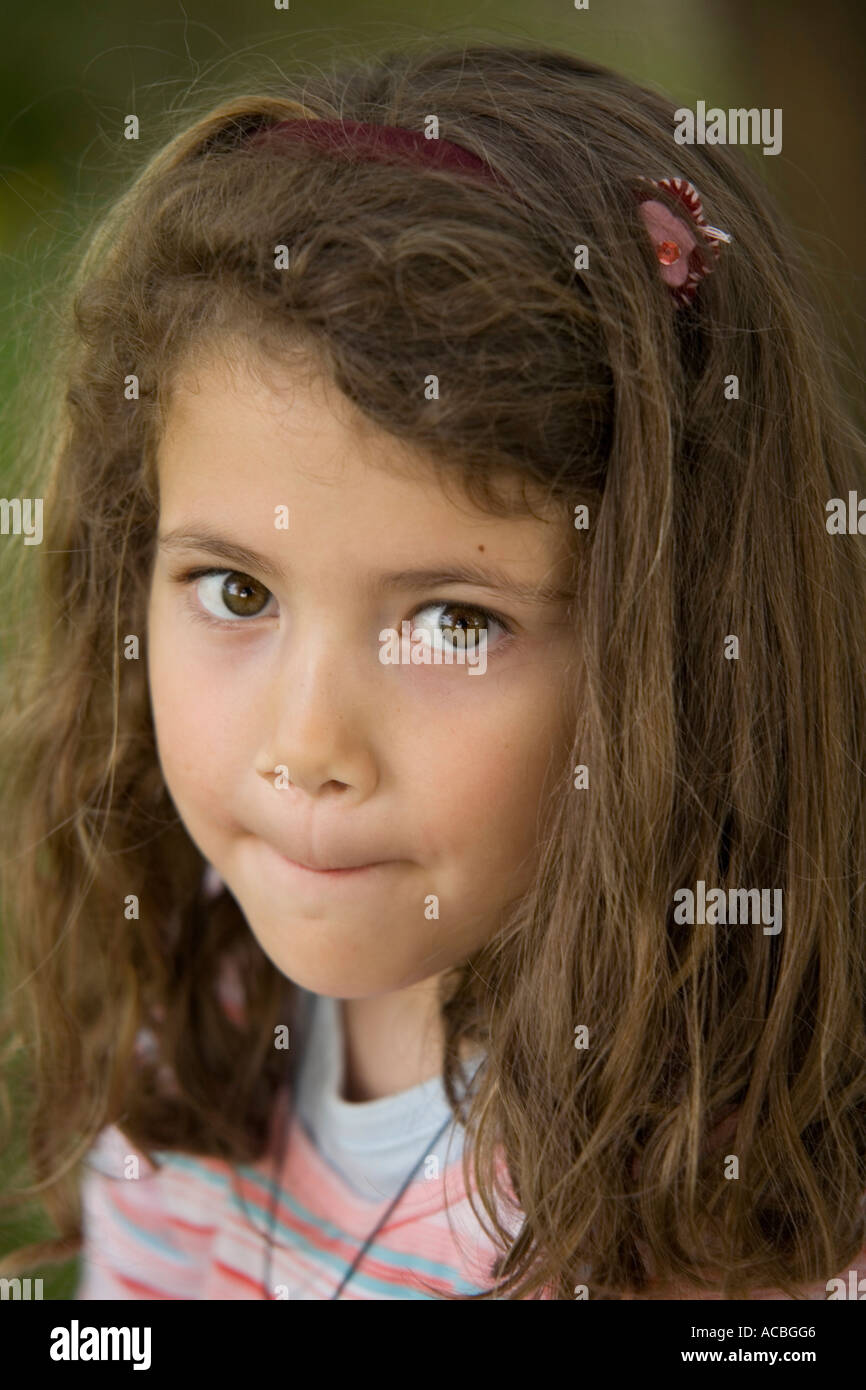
[244, 596]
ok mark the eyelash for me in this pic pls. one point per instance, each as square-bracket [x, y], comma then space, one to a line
[189, 577]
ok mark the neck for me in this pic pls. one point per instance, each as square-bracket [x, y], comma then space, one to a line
[392, 1042]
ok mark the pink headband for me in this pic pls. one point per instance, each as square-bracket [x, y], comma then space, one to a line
[384, 143]
[682, 254]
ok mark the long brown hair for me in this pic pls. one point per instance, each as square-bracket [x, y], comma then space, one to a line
[707, 519]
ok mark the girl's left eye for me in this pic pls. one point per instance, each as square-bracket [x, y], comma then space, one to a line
[479, 620]
[246, 599]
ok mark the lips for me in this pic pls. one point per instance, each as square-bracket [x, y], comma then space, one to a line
[331, 868]
[330, 865]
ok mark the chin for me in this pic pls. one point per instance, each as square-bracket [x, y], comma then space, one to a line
[343, 971]
[335, 982]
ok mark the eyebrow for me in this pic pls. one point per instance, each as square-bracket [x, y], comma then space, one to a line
[459, 572]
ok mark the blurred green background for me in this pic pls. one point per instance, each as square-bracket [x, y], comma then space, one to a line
[71, 71]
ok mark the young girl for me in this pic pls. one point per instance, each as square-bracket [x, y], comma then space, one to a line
[434, 759]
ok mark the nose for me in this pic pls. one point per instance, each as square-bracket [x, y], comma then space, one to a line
[319, 721]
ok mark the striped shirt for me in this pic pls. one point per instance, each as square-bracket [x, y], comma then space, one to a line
[195, 1227]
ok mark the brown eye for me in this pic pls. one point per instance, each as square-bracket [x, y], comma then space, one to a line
[449, 619]
[230, 590]
[471, 624]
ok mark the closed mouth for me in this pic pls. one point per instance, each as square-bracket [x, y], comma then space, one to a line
[350, 869]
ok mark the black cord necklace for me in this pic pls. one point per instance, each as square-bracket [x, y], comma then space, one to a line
[380, 1223]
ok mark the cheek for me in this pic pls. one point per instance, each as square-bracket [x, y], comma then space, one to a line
[488, 771]
[191, 726]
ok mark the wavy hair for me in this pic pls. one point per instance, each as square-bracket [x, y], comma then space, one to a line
[707, 519]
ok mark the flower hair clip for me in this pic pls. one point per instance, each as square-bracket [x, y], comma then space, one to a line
[685, 256]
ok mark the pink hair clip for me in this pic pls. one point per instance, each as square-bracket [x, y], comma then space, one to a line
[683, 255]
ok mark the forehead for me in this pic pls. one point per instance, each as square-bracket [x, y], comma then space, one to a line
[244, 435]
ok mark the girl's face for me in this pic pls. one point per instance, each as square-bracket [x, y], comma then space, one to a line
[264, 654]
